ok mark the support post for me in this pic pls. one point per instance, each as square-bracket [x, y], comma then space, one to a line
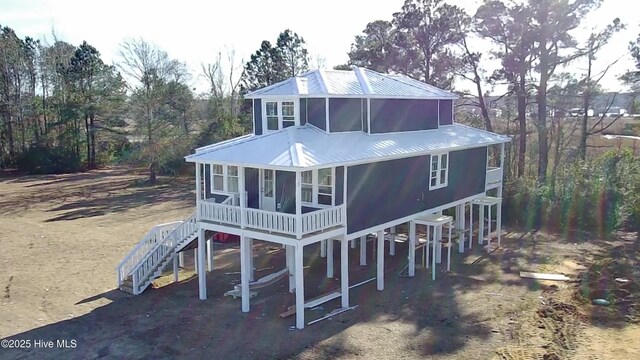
[499, 221]
[245, 263]
[502, 156]
[251, 260]
[299, 267]
[433, 260]
[181, 259]
[458, 220]
[289, 255]
[344, 273]
[489, 226]
[195, 258]
[175, 269]
[243, 197]
[392, 241]
[202, 274]
[470, 225]
[323, 248]
[462, 228]
[380, 262]
[363, 250]
[412, 248]
[329, 258]
[353, 243]
[450, 245]
[298, 205]
[209, 255]
[481, 225]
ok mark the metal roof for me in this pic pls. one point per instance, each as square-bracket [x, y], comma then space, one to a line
[308, 147]
[356, 82]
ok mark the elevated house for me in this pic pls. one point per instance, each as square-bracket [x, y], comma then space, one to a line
[334, 156]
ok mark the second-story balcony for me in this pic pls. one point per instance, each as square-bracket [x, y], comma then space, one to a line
[314, 221]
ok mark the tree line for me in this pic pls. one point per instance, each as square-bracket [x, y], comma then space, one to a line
[61, 104]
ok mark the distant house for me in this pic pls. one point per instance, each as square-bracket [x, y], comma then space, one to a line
[334, 156]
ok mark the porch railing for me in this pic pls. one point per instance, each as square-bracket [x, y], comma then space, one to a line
[222, 213]
[271, 221]
[323, 219]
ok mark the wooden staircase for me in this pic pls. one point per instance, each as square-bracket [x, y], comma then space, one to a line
[148, 259]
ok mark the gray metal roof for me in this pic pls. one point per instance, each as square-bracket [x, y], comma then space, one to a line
[307, 146]
[356, 82]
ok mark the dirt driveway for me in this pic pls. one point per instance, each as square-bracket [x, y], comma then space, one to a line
[62, 236]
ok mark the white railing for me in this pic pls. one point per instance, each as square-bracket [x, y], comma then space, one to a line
[153, 262]
[226, 214]
[150, 240]
[494, 176]
[320, 220]
[271, 221]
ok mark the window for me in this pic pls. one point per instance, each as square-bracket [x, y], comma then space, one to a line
[268, 183]
[439, 171]
[232, 179]
[317, 187]
[324, 187]
[217, 177]
[307, 186]
[224, 179]
[272, 115]
[280, 114]
[288, 114]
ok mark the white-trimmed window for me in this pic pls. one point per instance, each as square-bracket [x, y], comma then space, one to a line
[318, 187]
[232, 179]
[271, 111]
[217, 177]
[307, 186]
[439, 171]
[224, 178]
[280, 114]
[288, 114]
[325, 187]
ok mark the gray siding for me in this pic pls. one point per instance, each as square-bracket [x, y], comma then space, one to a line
[389, 190]
[257, 116]
[286, 192]
[365, 120]
[395, 115]
[339, 186]
[303, 111]
[252, 187]
[317, 113]
[446, 112]
[345, 114]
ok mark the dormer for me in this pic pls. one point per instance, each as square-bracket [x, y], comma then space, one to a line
[359, 100]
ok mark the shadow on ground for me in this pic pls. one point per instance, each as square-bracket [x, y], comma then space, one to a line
[94, 193]
[168, 322]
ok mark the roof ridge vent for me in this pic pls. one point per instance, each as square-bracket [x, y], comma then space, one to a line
[363, 80]
[302, 85]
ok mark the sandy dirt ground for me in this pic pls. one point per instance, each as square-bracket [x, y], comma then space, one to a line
[62, 236]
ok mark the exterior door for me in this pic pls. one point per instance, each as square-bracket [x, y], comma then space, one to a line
[268, 190]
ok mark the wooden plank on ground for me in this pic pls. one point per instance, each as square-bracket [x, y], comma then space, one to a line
[543, 276]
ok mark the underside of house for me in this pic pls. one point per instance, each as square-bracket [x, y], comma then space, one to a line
[334, 156]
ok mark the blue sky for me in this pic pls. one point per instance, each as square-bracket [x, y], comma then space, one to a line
[194, 31]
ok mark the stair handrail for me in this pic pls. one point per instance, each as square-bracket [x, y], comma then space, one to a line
[126, 266]
[171, 240]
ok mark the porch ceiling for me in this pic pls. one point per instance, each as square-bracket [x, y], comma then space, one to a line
[308, 147]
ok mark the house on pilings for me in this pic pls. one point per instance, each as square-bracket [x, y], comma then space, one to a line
[334, 156]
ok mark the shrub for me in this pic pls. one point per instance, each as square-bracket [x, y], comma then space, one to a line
[42, 159]
[599, 195]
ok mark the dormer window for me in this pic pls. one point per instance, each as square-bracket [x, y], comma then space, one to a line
[280, 114]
